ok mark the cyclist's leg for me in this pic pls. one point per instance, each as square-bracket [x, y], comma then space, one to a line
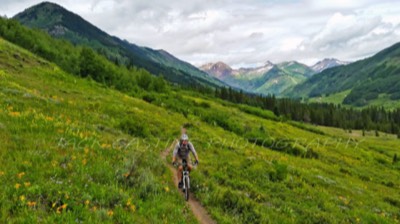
[180, 169]
[189, 163]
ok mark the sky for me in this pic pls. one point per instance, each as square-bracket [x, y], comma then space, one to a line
[243, 33]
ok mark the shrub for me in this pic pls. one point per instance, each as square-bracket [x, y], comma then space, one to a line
[134, 128]
[237, 204]
[220, 119]
[203, 104]
[311, 154]
[148, 186]
[258, 112]
[149, 97]
[392, 201]
[280, 172]
[307, 128]
[395, 96]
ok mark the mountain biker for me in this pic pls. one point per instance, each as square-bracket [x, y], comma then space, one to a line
[181, 152]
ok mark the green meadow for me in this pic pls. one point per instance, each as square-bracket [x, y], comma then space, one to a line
[76, 151]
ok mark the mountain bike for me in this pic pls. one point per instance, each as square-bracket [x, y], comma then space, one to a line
[185, 177]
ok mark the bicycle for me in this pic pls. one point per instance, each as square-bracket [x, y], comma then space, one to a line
[185, 177]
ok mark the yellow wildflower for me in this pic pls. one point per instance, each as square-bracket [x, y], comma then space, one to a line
[133, 208]
[49, 118]
[20, 175]
[126, 174]
[94, 208]
[22, 198]
[166, 189]
[2, 173]
[105, 146]
[84, 161]
[87, 202]
[62, 207]
[54, 204]
[14, 114]
[86, 150]
[128, 202]
[31, 203]
[17, 186]
[110, 213]
[27, 184]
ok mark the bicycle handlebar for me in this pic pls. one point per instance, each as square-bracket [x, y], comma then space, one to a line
[181, 164]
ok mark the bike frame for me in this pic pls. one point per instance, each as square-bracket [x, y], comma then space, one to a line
[185, 178]
[185, 175]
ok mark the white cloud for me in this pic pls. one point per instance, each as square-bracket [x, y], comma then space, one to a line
[244, 32]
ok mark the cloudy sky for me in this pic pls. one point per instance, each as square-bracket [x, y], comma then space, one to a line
[244, 33]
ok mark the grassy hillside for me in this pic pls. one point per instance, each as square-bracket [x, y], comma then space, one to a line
[74, 150]
[366, 80]
[66, 155]
[383, 100]
[296, 69]
[84, 62]
[61, 23]
[336, 98]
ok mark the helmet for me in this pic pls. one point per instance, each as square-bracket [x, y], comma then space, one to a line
[184, 137]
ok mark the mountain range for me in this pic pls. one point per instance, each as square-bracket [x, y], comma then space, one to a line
[374, 80]
[61, 23]
[327, 63]
[269, 78]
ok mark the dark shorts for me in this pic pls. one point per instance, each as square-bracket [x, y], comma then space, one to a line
[180, 160]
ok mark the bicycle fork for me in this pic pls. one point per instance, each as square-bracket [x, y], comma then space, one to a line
[185, 180]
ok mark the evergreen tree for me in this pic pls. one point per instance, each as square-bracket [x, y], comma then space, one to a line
[144, 79]
[276, 111]
[87, 65]
[376, 133]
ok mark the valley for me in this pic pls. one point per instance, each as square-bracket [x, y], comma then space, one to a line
[87, 121]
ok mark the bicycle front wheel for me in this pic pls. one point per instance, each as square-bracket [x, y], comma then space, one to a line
[186, 188]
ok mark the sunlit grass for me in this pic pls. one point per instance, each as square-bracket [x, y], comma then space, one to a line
[75, 151]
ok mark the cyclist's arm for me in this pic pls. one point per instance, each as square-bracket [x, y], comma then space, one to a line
[175, 152]
[191, 147]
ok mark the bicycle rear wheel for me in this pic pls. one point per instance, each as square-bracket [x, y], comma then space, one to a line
[186, 188]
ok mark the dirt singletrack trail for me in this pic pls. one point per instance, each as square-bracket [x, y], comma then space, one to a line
[199, 211]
